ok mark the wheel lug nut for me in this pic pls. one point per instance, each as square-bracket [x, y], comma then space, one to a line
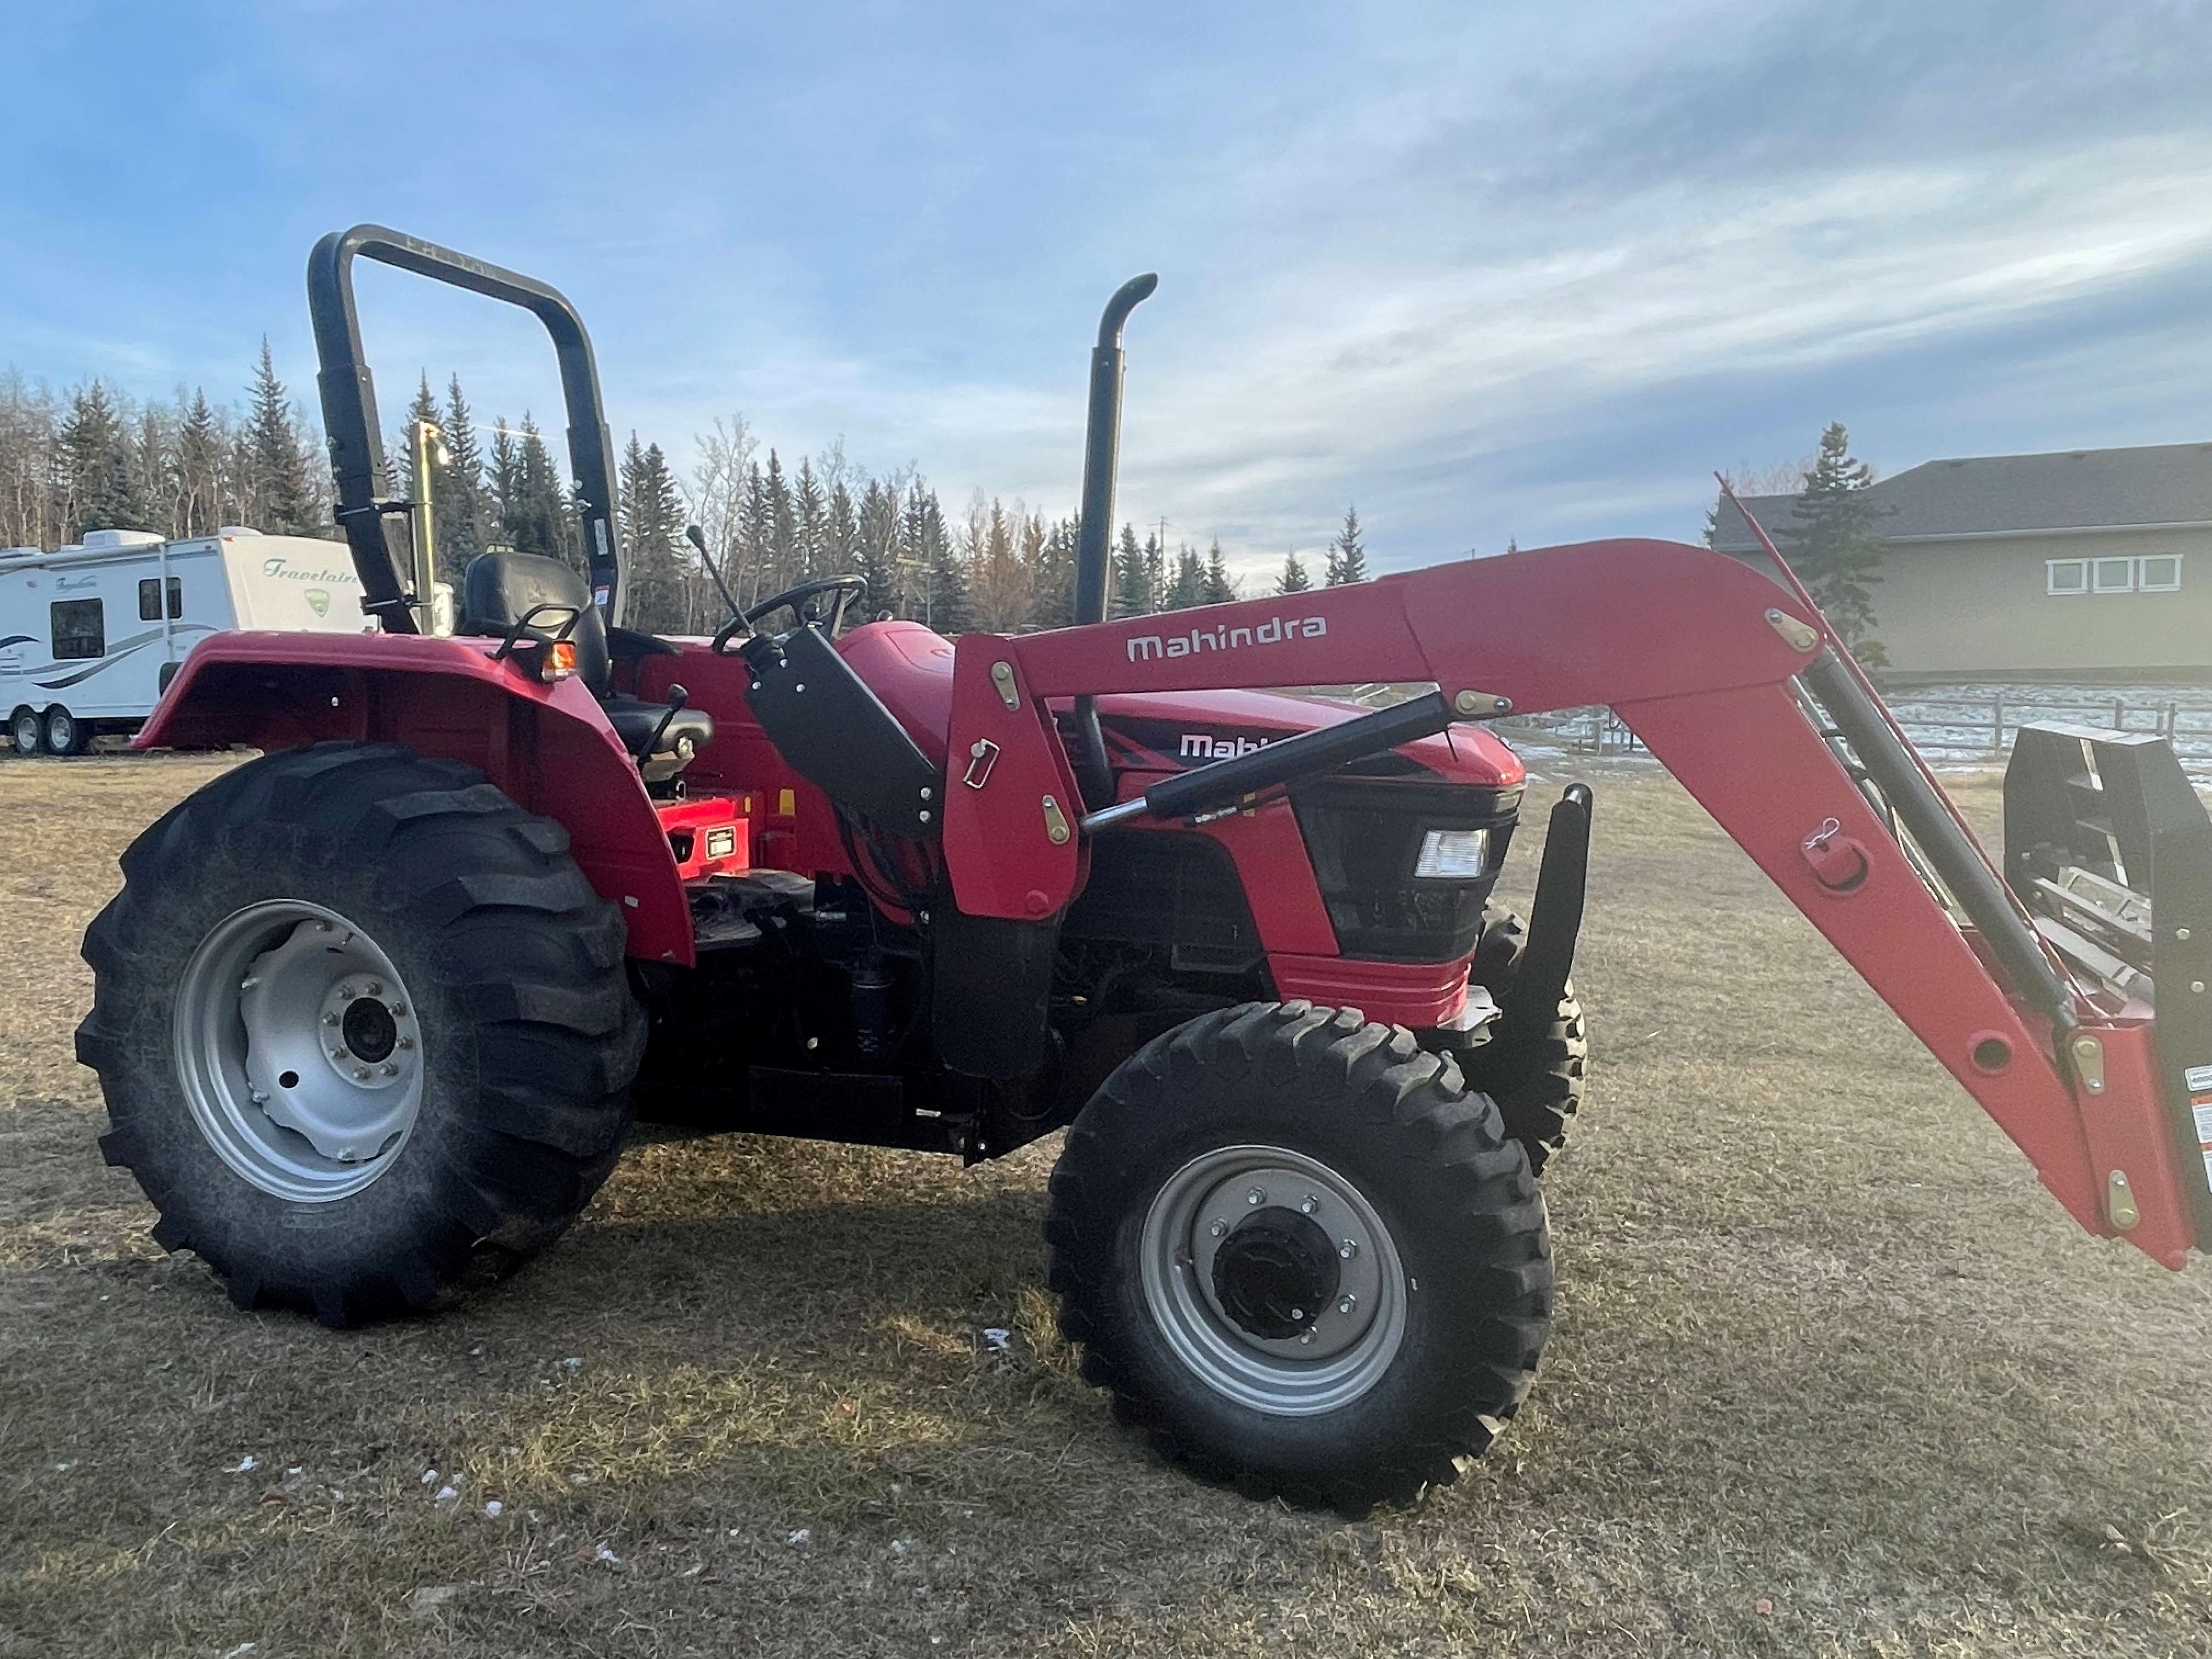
[398, 1009]
[360, 1073]
[1218, 1228]
[1297, 1313]
[337, 1054]
[1347, 1304]
[329, 1019]
[346, 991]
[1349, 1249]
[1307, 1336]
[404, 1042]
[390, 1070]
[248, 983]
[373, 989]
[1257, 1195]
[1309, 1205]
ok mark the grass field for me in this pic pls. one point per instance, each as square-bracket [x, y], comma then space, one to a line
[1830, 1375]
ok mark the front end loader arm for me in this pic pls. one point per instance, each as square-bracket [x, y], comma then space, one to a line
[1705, 660]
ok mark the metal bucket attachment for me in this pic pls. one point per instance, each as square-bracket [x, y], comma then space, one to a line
[2110, 848]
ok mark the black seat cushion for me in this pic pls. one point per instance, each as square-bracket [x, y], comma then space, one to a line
[498, 590]
[635, 720]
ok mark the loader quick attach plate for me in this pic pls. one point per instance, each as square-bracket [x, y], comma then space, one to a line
[2110, 848]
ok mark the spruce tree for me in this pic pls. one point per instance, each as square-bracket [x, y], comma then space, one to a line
[652, 514]
[280, 487]
[841, 530]
[537, 518]
[1054, 586]
[199, 469]
[1294, 579]
[1188, 589]
[1832, 543]
[877, 557]
[98, 472]
[1347, 555]
[462, 519]
[944, 597]
[784, 568]
[810, 513]
[1220, 590]
[1132, 577]
[504, 478]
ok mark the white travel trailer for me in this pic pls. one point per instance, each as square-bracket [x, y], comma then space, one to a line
[91, 635]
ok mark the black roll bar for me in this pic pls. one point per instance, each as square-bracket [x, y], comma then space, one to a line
[356, 443]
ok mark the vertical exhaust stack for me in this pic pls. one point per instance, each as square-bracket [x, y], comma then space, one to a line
[1101, 447]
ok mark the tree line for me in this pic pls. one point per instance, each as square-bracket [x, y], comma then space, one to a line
[92, 458]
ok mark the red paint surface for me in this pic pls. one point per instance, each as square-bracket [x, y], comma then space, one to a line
[548, 747]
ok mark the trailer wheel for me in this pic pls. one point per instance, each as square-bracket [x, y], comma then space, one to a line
[25, 731]
[65, 733]
[359, 1019]
[1537, 1083]
[1301, 1254]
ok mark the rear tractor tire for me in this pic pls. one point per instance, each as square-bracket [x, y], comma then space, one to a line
[358, 1016]
[1538, 1082]
[1306, 1259]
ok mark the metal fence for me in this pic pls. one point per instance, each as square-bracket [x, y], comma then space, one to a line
[1953, 726]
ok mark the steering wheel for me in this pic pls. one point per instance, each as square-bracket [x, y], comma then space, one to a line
[848, 588]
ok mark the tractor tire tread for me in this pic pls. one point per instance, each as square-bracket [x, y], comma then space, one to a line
[528, 958]
[1448, 1157]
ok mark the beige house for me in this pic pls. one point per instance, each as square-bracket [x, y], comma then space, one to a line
[2091, 564]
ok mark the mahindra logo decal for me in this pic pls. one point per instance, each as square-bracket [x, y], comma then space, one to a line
[1273, 631]
[1203, 746]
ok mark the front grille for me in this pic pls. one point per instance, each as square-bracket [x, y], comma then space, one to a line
[1364, 835]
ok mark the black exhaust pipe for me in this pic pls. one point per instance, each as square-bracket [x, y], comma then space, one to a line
[1101, 445]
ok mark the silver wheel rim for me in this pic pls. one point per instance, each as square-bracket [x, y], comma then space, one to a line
[299, 1050]
[26, 734]
[1348, 1344]
[61, 733]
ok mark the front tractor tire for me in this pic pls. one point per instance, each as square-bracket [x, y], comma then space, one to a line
[360, 1020]
[1535, 1077]
[1306, 1260]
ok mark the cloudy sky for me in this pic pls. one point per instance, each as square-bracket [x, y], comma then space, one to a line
[1489, 271]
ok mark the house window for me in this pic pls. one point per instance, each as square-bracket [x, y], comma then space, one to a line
[79, 627]
[2066, 576]
[2160, 575]
[2113, 575]
[149, 598]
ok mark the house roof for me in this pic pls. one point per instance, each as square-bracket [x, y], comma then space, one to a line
[1985, 495]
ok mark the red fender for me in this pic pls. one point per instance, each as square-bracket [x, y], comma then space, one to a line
[549, 747]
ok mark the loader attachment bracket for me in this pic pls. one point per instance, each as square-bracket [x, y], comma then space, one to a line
[2110, 848]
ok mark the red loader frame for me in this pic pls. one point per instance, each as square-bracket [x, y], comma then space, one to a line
[1703, 659]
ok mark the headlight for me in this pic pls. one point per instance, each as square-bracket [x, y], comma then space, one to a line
[1452, 855]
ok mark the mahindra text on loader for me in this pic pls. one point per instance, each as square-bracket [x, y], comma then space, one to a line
[386, 997]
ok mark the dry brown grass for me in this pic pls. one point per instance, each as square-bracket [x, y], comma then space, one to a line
[1832, 1376]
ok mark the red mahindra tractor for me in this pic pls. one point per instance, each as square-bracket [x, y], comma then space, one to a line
[383, 1000]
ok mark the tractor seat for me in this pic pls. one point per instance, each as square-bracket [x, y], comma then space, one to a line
[498, 590]
[635, 720]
